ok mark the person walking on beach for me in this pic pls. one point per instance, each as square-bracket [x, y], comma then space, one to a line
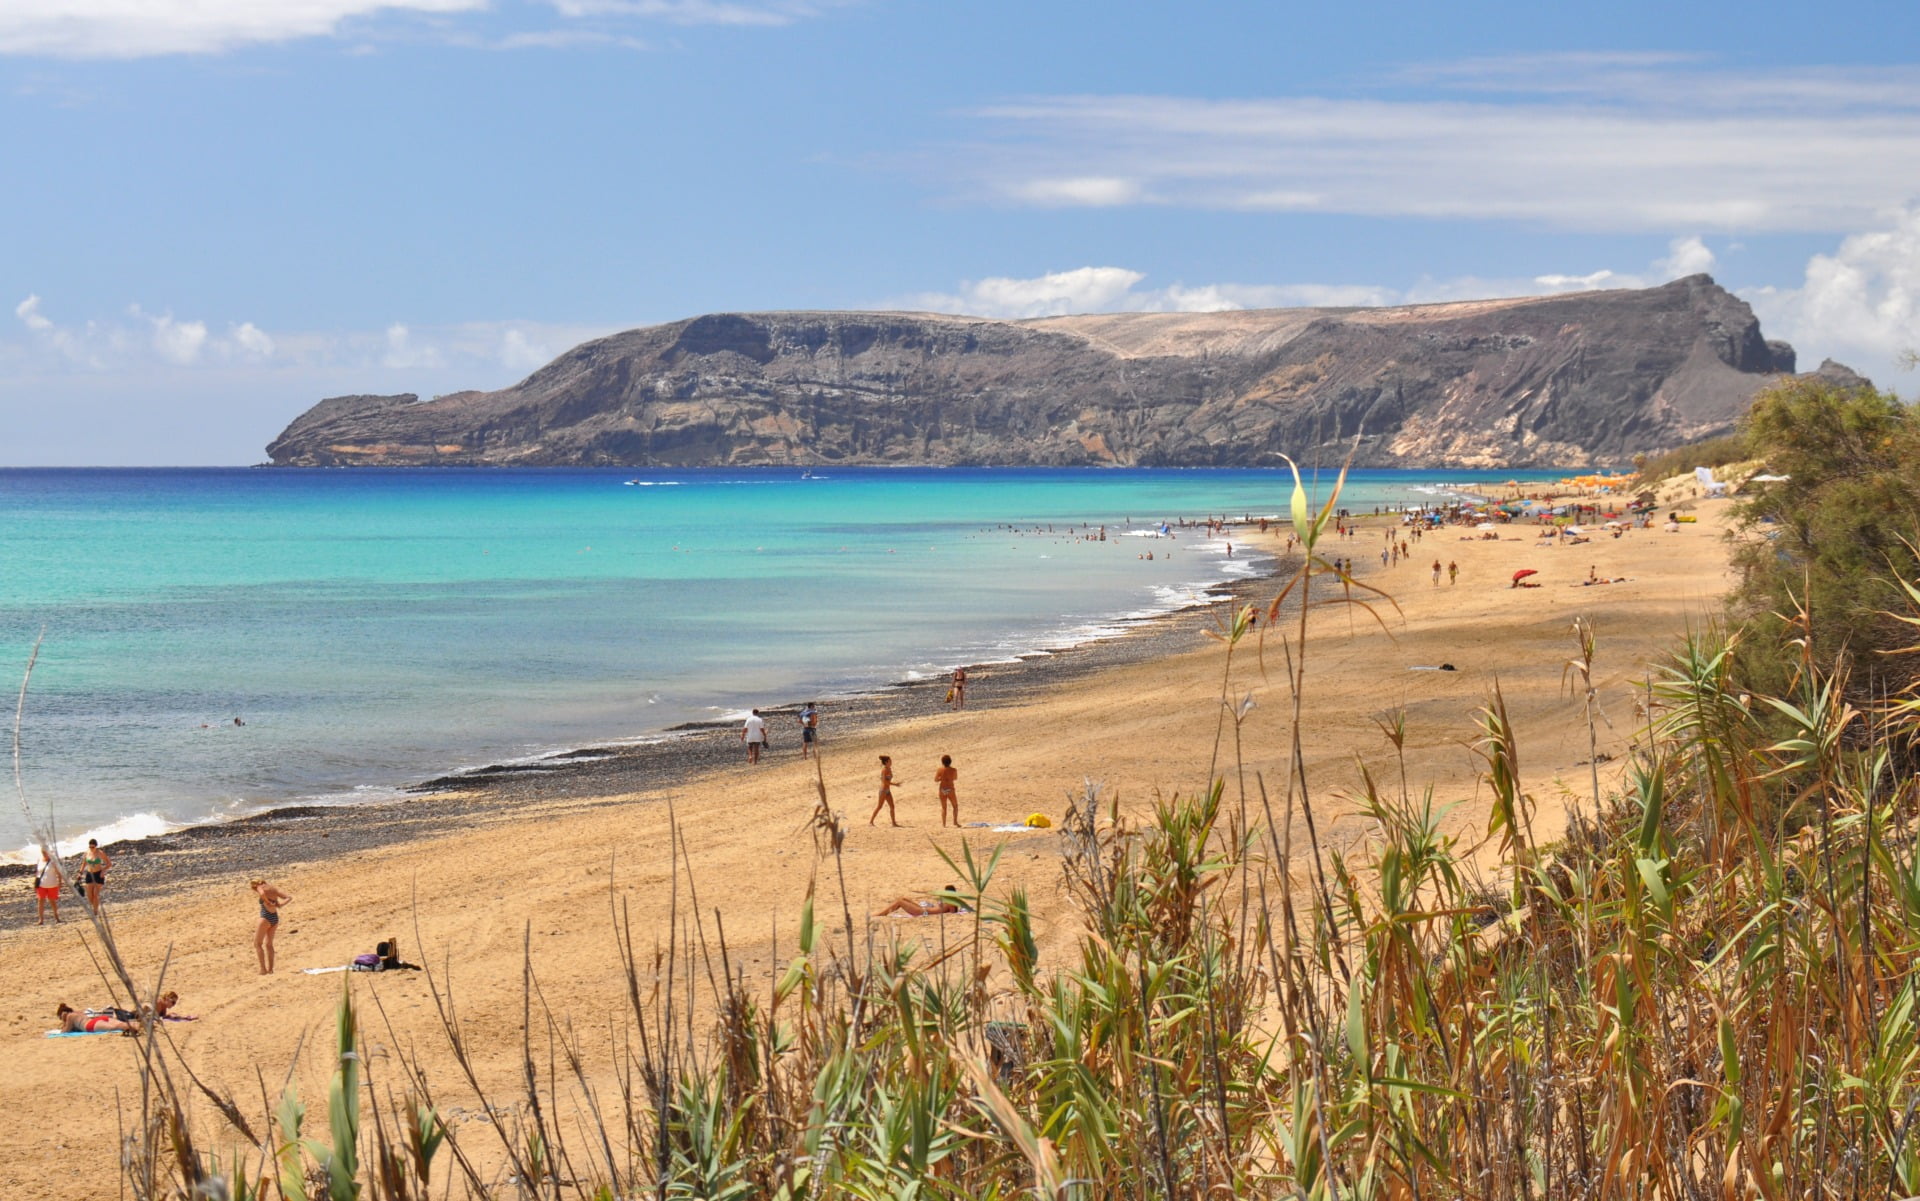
[886, 793]
[1453, 572]
[943, 779]
[47, 883]
[1436, 573]
[809, 727]
[957, 695]
[94, 866]
[271, 899]
[754, 734]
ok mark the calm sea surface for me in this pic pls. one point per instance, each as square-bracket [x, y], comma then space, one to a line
[375, 627]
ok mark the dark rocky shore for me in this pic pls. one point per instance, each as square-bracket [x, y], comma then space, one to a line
[273, 842]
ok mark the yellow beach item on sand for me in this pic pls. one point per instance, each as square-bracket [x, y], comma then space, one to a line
[1038, 821]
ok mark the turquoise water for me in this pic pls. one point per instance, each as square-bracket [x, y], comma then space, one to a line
[376, 627]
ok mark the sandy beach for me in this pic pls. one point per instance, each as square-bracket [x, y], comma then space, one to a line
[472, 873]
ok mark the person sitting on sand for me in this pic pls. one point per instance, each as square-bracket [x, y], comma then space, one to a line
[72, 1021]
[947, 900]
[886, 794]
[271, 899]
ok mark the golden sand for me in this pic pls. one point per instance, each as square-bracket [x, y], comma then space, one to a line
[550, 880]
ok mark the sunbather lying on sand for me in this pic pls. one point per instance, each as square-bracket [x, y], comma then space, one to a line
[947, 900]
[73, 1021]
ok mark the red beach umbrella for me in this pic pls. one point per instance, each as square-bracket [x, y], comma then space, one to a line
[1523, 573]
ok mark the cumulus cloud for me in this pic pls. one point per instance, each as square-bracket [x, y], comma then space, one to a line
[404, 352]
[1685, 256]
[1859, 304]
[1118, 290]
[178, 342]
[1608, 143]
[141, 338]
[520, 351]
[138, 28]
[250, 341]
[29, 313]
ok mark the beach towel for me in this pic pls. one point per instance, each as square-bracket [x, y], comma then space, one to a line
[80, 1033]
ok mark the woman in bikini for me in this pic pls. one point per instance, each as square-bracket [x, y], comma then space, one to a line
[947, 900]
[271, 899]
[886, 793]
[72, 1021]
[943, 779]
[94, 866]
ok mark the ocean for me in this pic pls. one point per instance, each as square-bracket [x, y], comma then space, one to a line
[370, 628]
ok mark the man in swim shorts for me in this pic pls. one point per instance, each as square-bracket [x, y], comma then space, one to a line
[754, 734]
[809, 728]
[47, 883]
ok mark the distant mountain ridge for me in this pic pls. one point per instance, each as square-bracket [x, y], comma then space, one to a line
[1564, 380]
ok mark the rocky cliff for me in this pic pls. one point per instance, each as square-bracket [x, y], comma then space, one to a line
[1569, 380]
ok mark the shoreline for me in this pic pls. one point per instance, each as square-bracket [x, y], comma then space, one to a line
[568, 876]
[283, 836]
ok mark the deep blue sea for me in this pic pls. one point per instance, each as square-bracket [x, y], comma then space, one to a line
[372, 628]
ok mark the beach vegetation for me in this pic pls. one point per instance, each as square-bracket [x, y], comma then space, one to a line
[1827, 547]
[1651, 470]
[1700, 985]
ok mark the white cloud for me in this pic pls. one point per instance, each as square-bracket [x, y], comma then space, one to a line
[138, 28]
[1582, 283]
[145, 28]
[249, 340]
[1607, 142]
[178, 342]
[1685, 256]
[1860, 304]
[1117, 290]
[28, 311]
[142, 339]
[404, 352]
[1083, 192]
[521, 352]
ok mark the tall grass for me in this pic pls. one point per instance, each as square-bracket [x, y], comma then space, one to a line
[1702, 988]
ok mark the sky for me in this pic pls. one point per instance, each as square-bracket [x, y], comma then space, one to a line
[213, 213]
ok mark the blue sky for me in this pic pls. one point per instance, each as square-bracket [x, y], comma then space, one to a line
[216, 212]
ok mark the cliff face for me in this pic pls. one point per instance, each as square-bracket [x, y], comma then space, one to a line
[1549, 381]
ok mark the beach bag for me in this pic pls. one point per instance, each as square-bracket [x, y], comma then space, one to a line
[949, 696]
[366, 963]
